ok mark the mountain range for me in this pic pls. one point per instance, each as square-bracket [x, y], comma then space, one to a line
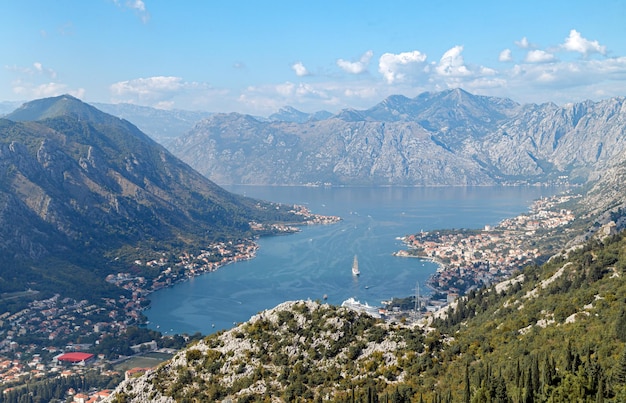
[82, 192]
[444, 138]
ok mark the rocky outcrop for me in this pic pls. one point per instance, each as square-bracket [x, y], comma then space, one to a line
[299, 347]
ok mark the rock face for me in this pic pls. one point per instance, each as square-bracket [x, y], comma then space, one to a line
[446, 138]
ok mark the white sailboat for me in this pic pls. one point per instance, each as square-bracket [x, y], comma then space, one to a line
[355, 267]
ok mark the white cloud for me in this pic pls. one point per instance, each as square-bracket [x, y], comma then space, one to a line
[523, 43]
[576, 43]
[391, 65]
[147, 88]
[158, 90]
[285, 89]
[505, 56]
[299, 69]
[452, 63]
[356, 67]
[487, 71]
[539, 56]
[39, 81]
[28, 90]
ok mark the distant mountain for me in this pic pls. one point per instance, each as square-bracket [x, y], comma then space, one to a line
[163, 125]
[79, 189]
[289, 114]
[7, 107]
[444, 138]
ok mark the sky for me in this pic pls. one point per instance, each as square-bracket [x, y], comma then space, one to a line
[255, 57]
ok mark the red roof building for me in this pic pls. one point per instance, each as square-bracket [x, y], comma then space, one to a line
[75, 358]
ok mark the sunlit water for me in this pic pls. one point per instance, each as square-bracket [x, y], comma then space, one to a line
[317, 261]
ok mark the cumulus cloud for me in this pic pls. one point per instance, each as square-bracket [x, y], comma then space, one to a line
[39, 81]
[486, 71]
[29, 90]
[505, 56]
[158, 90]
[147, 87]
[539, 56]
[452, 63]
[391, 65]
[576, 43]
[357, 67]
[299, 69]
[285, 89]
[523, 43]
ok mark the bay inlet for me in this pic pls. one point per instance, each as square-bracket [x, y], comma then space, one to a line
[317, 261]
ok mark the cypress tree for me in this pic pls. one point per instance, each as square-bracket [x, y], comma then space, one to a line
[569, 357]
[529, 396]
[535, 375]
[600, 393]
[467, 396]
[518, 375]
[620, 372]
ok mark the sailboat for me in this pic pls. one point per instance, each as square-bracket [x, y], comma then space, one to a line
[355, 267]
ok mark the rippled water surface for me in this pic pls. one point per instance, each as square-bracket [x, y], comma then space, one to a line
[317, 261]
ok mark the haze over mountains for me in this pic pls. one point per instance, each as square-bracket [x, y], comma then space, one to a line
[445, 138]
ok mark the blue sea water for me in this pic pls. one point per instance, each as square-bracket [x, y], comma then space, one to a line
[317, 261]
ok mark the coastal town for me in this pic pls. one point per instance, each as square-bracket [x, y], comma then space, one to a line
[473, 258]
[33, 339]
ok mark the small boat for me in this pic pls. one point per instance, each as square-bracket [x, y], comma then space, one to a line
[355, 267]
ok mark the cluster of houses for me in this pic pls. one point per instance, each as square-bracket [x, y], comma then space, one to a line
[478, 257]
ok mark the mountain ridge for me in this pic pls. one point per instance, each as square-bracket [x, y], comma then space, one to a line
[88, 187]
[479, 140]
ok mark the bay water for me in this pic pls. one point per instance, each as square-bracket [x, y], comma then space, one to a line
[316, 262]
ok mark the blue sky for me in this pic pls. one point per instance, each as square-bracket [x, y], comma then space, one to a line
[258, 56]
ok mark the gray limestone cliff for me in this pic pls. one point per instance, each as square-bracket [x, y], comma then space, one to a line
[446, 138]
